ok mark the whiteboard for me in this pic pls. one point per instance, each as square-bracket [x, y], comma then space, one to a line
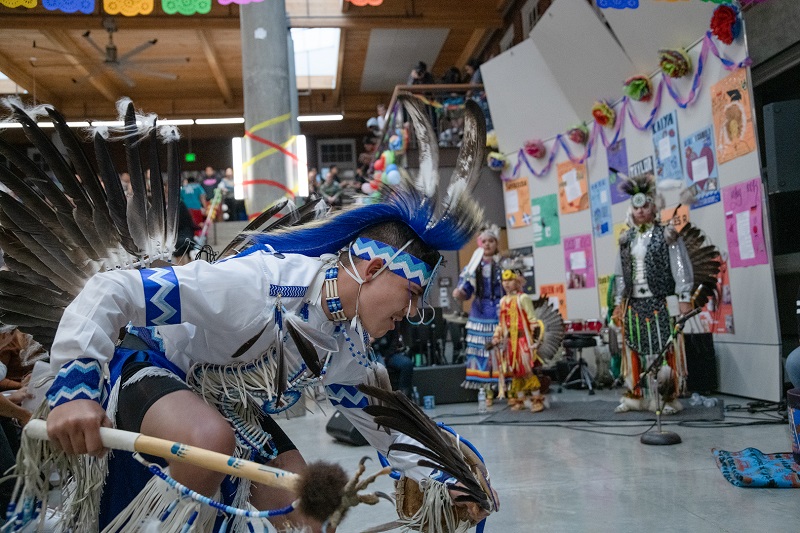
[749, 359]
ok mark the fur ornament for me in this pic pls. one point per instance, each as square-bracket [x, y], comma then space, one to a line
[638, 88]
[579, 134]
[675, 63]
[535, 148]
[726, 25]
[604, 114]
[496, 161]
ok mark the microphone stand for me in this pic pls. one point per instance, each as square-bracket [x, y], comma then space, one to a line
[660, 437]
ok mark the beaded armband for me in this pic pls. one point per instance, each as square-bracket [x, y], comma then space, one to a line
[80, 379]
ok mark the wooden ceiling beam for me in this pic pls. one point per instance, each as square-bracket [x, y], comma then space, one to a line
[214, 65]
[337, 90]
[159, 22]
[471, 48]
[62, 39]
[41, 93]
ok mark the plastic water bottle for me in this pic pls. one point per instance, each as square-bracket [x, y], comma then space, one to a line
[415, 397]
[481, 401]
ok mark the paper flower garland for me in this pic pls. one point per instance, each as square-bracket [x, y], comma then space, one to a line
[604, 114]
[496, 161]
[675, 63]
[638, 88]
[725, 23]
[535, 148]
[579, 134]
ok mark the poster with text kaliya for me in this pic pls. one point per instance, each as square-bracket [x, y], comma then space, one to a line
[603, 283]
[556, 295]
[573, 190]
[579, 262]
[700, 168]
[516, 196]
[544, 216]
[719, 318]
[730, 107]
[617, 156]
[669, 173]
[744, 228]
[678, 218]
[601, 207]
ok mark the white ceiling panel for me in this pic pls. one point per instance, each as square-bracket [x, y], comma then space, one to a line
[655, 25]
[393, 53]
[582, 54]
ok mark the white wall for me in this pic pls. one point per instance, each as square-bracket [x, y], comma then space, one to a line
[544, 85]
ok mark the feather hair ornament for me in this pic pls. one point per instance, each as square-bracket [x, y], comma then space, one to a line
[58, 230]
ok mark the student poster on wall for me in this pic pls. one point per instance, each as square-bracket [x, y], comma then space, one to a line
[678, 218]
[719, 318]
[700, 168]
[669, 173]
[544, 217]
[730, 107]
[573, 190]
[643, 166]
[619, 229]
[601, 207]
[556, 295]
[744, 228]
[617, 156]
[579, 262]
[516, 196]
[603, 283]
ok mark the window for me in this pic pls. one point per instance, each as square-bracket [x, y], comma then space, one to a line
[507, 40]
[339, 152]
[530, 16]
[316, 57]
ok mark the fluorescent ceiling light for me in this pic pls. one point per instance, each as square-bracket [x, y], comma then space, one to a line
[319, 118]
[232, 120]
[107, 123]
[79, 124]
[10, 125]
[45, 124]
[176, 122]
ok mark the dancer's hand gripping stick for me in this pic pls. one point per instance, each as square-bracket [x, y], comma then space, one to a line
[331, 503]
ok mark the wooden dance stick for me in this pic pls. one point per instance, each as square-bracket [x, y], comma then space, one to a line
[129, 441]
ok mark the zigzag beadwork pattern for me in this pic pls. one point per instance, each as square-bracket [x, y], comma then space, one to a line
[287, 291]
[347, 396]
[77, 380]
[404, 265]
[162, 296]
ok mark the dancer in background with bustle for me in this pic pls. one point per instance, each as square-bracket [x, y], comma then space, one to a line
[481, 278]
[654, 284]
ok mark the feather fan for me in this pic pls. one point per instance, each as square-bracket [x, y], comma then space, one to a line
[552, 325]
[705, 259]
[397, 412]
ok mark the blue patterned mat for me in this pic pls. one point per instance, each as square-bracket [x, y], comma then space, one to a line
[753, 469]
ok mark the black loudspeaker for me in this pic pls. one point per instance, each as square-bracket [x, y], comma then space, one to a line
[340, 428]
[781, 130]
[701, 362]
[443, 382]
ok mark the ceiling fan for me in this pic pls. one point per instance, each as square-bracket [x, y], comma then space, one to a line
[119, 64]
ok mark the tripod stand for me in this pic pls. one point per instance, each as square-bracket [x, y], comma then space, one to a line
[660, 437]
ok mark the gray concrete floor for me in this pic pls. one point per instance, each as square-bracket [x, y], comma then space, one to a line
[579, 477]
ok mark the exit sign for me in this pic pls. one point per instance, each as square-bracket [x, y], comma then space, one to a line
[191, 158]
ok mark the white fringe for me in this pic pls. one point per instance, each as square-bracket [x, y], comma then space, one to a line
[234, 382]
[144, 512]
[437, 513]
